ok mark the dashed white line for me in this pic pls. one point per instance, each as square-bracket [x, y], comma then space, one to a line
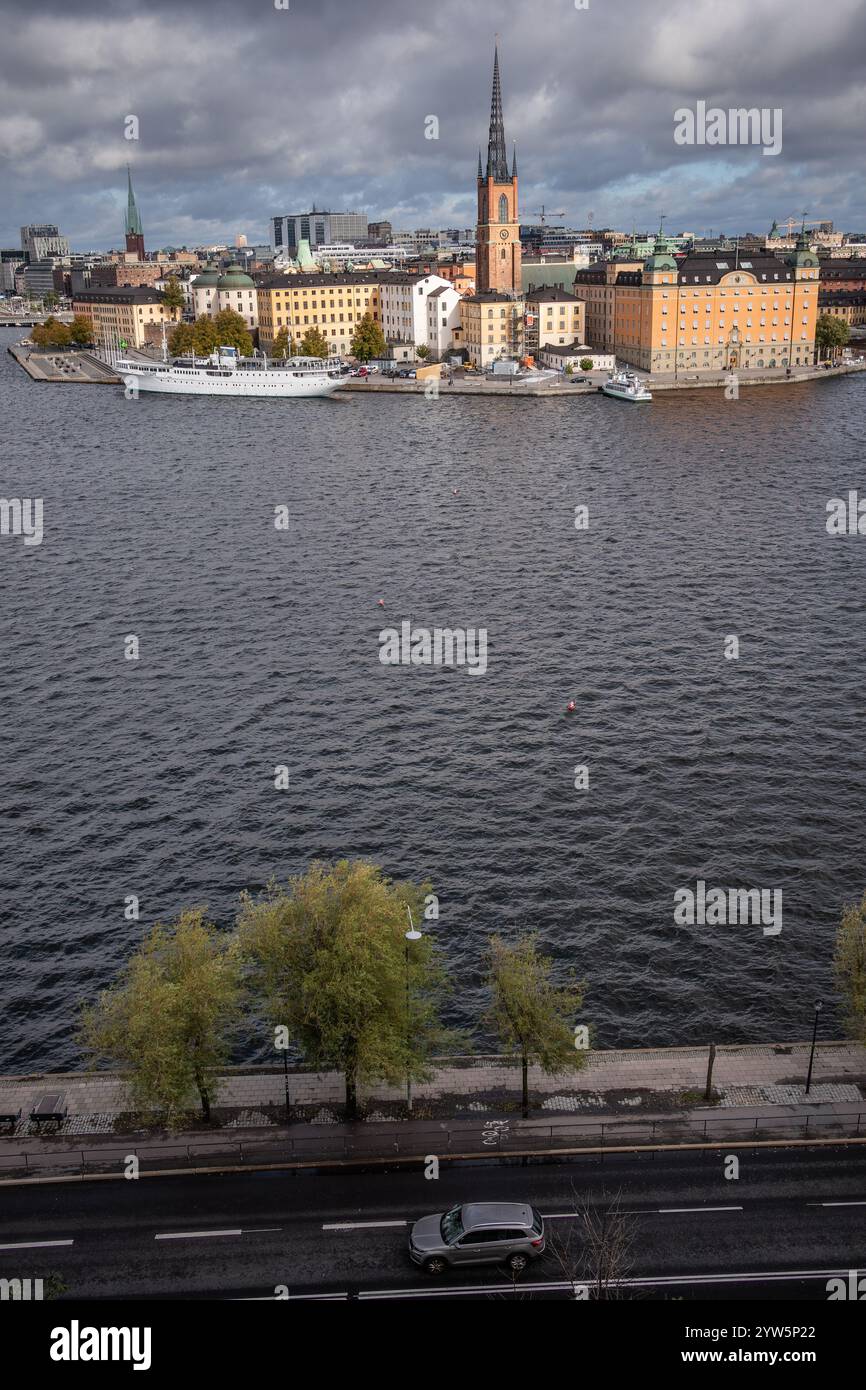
[196, 1235]
[670, 1211]
[836, 1204]
[35, 1244]
[359, 1225]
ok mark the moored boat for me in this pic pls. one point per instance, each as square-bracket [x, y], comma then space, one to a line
[625, 386]
[225, 373]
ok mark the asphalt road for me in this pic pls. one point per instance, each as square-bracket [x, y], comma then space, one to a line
[789, 1220]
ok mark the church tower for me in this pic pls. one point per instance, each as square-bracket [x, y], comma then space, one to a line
[497, 232]
[134, 234]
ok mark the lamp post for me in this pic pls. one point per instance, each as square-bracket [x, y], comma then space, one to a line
[818, 1007]
[411, 935]
[286, 1080]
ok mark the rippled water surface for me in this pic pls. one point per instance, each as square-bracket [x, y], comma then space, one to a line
[260, 647]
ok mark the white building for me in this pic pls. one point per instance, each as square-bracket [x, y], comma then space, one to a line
[559, 356]
[211, 293]
[418, 310]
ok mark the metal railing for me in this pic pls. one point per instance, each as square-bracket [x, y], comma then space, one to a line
[378, 1144]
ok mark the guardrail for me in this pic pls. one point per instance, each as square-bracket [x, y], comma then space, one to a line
[503, 1137]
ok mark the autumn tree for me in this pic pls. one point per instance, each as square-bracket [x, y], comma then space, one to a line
[169, 1019]
[232, 331]
[182, 340]
[52, 333]
[81, 331]
[831, 333]
[329, 958]
[369, 340]
[849, 967]
[314, 343]
[529, 1013]
[284, 346]
[172, 295]
[205, 337]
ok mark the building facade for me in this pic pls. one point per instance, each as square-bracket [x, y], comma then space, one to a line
[130, 316]
[41, 240]
[335, 304]
[847, 305]
[497, 232]
[416, 311]
[553, 316]
[707, 311]
[317, 229]
[491, 324]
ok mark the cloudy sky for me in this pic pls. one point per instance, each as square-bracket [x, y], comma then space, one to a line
[246, 110]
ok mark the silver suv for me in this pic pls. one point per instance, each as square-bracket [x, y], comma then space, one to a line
[478, 1233]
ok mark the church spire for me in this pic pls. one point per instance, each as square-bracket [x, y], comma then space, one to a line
[480, 173]
[497, 161]
[133, 218]
[514, 159]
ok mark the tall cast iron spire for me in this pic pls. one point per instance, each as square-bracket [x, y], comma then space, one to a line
[133, 218]
[497, 162]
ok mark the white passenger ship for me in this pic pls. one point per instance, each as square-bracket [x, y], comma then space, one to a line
[625, 386]
[225, 373]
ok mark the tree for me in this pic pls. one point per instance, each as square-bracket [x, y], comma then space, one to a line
[283, 345]
[81, 331]
[594, 1250]
[529, 1013]
[51, 333]
[328, 956]
[182, 340]
[51, 299]
[569, 369]
[422, 351]
[232, 331]
[849, 967]
[168, 1019]
[831, 333]
[314, 343]
[172, 295]
[586, 364]
[369, 340]
[205, 336]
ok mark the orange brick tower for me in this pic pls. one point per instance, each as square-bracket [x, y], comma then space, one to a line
[497, 233]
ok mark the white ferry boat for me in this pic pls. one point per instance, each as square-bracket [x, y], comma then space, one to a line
[625, 386]
[225, 373]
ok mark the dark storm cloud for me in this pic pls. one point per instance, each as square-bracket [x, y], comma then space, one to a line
[246, 110]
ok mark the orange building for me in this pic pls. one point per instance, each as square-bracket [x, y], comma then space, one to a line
[707, 311]
[497, 232]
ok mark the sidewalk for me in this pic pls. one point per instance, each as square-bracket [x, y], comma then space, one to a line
[611, 1081]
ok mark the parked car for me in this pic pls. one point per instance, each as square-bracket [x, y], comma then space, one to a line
[478, 1233]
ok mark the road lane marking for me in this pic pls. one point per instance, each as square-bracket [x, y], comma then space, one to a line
[196, 1235]
[836, 1204]
[360, 1225]
[670, 1211]
[571, 1285]
[35, 1244]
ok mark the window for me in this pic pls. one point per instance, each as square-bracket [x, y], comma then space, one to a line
[503, 208]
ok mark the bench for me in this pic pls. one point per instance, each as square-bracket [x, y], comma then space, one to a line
[49, 1108]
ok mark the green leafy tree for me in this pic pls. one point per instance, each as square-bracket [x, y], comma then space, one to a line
[51, 299]
[529, 1013]
[172, 295]
[232, 331]
[831, 334]
[849, 965]
[182, 340]
[169, 1018]
[329, 958]
[314, 343]
[369, 340]
[205, 336]
[586, 364]
[283, 345]
[81, 331]
[422, 351]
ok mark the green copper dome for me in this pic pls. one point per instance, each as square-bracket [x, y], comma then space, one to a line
[660, 260]
[235, 279]
[207, 278]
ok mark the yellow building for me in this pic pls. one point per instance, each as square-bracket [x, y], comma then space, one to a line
[708, 311]
[491, 326]
[553, 317]
[125, 315]
[847, 305]
[335, 304]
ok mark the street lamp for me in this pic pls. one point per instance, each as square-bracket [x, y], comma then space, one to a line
[818, 1007]
[411, 935]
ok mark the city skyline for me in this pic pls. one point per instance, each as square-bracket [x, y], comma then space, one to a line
[332, 106]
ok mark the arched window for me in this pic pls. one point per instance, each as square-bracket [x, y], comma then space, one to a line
[503, 208]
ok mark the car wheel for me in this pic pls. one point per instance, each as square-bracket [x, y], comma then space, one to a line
[517, 1263]
[435, 1265]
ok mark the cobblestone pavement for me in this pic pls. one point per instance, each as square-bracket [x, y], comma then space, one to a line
[749, 1074]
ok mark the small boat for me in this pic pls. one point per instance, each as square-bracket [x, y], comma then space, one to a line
[625, 386]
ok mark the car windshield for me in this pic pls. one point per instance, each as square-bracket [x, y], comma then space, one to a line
[451, 1226]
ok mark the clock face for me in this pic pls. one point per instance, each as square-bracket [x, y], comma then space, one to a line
[504, 234]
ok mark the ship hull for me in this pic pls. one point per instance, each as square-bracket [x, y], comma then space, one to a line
[201, 381]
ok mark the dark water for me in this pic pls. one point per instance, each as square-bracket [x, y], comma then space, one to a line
[260, 647]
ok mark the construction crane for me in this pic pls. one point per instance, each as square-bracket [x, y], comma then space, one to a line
[544, 214]
[792, 222]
